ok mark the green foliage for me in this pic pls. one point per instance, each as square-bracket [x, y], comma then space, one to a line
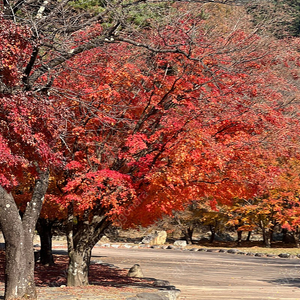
[280, 16]
[95, 5]
[295, 7]
[144, 14]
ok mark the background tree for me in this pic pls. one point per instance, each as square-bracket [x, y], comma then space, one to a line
[282, 16]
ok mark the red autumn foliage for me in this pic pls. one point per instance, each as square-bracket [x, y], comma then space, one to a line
[151, 132]
[29, 124]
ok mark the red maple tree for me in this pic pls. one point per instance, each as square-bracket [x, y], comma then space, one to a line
[29, 127]
[151, 132]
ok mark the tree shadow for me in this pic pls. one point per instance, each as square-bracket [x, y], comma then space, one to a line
[59, 252]
[286, 280]
[100, 274]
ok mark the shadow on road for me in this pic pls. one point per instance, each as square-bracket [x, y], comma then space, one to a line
[285, 281]
[100, 274]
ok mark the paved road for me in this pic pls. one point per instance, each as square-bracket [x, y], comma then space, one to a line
[212, 276]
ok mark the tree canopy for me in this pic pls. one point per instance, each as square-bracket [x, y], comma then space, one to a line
[134, 110]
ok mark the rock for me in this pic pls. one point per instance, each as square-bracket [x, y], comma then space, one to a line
[106, 264]
[284, 255]
[156, 238]
[241, 253]
[96, 262]
[104, 239]
[171, 247]
[115, 246]
[180, 243]
[212, 250]
[172, 294]
[155, 247]
[163, 283]
[222, 251]
[151, 296]
[259, 255]
[194, 249]
[135, 271]
[233, 251]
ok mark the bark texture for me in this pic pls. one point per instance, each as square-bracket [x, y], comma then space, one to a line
[267, 236]
[18, 234]
[82, 236]
[78, 271]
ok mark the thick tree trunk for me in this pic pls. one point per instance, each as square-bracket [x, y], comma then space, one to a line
[267, 236]
[81, 238]
[18, 234]
[44, 227]
[19, 281]
[78, 270]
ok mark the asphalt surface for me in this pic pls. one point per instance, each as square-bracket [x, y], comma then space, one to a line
[203, 275]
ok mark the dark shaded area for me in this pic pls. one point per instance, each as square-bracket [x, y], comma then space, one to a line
[287, 280]
[100, 274]
[44, 227]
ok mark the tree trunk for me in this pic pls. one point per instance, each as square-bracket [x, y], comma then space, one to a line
[19, 279]
[296, 238]
[44, 227]
[78, 270]
[249, 236]
[18, 234]
[239, 237]
[188, 234]
[82, 236]
[213, 233]
[267, 236]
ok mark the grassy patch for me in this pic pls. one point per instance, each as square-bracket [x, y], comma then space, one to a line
[254, 247]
